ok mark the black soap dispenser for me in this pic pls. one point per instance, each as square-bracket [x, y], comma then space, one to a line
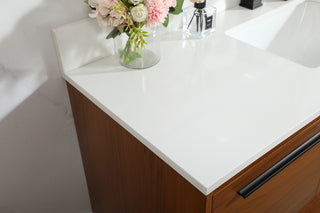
[251, 4]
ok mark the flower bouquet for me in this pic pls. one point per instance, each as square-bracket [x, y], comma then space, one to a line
[135, 21]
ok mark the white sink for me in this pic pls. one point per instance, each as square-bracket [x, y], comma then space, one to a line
[292, 32]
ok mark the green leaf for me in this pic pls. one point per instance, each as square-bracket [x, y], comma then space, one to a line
[114, 33]
[166, 21]
[178, 9]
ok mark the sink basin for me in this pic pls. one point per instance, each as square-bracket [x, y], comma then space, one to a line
[291, 31]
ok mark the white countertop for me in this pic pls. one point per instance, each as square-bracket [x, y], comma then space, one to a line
[211, 118]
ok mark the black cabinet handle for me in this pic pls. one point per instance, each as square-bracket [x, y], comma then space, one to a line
[279, 166]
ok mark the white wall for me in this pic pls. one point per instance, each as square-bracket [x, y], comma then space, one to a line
[40, 163]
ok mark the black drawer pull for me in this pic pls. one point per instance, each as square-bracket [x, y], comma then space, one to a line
[279, 166]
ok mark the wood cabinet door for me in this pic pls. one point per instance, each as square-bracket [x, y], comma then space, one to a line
[287, 191]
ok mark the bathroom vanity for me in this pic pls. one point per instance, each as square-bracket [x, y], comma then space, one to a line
[123, 175]
[238, 131]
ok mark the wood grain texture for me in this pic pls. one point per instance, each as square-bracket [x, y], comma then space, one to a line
[314, 205]
[288, 191]
[122, 174]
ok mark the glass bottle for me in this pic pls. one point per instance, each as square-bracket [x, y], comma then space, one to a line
[199, 20]
[131, 57]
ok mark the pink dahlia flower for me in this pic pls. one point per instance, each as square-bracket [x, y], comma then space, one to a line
[157, 12]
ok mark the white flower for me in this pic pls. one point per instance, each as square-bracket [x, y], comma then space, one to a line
[93, 3]
[139, 13]
[135, 2]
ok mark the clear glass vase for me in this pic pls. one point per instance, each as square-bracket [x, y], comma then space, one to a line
[132, 57]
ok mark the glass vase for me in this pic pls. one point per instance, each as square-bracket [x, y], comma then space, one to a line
[132, 57]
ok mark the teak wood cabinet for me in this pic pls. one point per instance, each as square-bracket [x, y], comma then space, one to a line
[125, 176]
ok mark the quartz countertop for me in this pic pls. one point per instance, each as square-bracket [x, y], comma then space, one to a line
[210, 107]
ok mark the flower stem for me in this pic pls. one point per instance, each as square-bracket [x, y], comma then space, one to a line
[129, 54]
